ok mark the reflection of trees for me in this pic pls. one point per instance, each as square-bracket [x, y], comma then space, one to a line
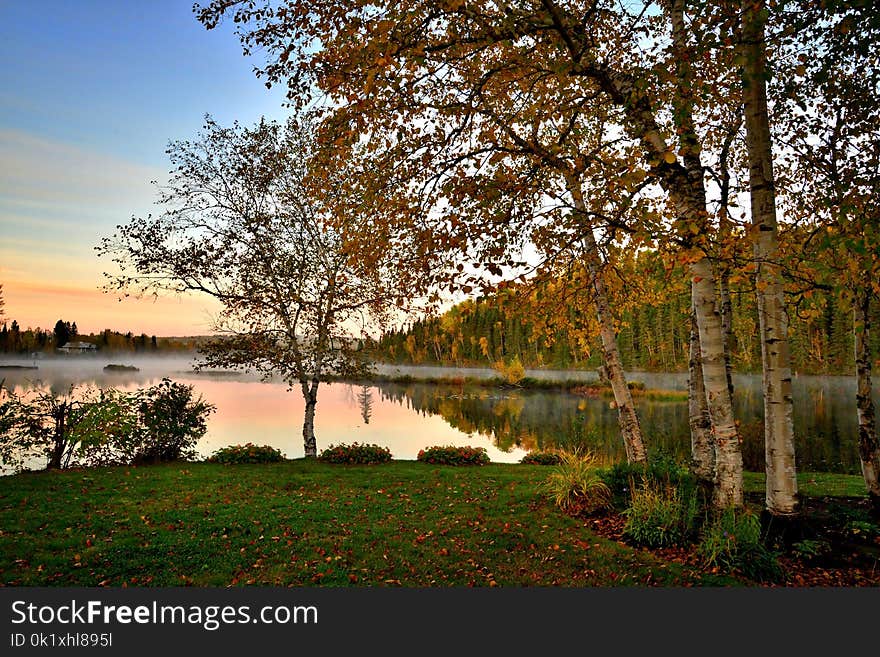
[525, 419]
[365, 403]
[824, 422]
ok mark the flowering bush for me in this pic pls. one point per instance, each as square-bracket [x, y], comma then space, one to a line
[248, 453]
[355, 453]
[541, 458]
[449, 455]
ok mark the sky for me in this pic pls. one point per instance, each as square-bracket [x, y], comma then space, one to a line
[91, 92]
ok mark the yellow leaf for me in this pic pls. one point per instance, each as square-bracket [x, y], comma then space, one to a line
[669, 156]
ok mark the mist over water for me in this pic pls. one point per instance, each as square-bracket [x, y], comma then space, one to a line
[508, 422]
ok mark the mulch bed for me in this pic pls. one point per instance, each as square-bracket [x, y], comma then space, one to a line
[850, 560]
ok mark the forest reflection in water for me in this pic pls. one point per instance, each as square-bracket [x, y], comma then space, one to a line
[824, 419]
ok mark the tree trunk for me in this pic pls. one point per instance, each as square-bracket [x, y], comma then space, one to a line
[727, 323]
[687, 193]
[725, 435]
[702, 449]
[725, 237]
[869, 448]
[630, 427]
[310, 395]
[58, 441]
[781, 496]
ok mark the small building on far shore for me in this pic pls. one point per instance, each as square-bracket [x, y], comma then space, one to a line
[78, 348]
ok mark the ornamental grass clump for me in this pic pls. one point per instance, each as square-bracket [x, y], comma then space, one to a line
[662, 470]
[733, 544]
[451, 455]
[660, 514]
[247, 453]
[576, 485]
[356, 454]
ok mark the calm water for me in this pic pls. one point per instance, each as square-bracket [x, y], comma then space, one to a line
[406, 418]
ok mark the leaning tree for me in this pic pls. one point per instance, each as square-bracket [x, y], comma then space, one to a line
[244, 222]
[416, 64]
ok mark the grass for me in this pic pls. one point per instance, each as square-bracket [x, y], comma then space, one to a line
[306, 523]
[813, 484]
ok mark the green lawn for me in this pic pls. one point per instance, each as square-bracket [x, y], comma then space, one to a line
[304, 523]
[814, 484]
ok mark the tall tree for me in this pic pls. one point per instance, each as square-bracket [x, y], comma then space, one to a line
[61, 333]
[833, 135]
[781, 486]
[241, 224]
[418, 80]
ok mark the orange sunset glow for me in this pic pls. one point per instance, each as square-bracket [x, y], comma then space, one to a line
[40, 305]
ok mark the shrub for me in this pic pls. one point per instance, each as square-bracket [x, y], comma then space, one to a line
[733, 544]
[862, 529]
[576, 486]
[90, 426]
[172, 422]
[355, 453]
[248, 453]
[541, 458]
[811, 549]
[513, 372]
[663, 469]
[450, 455]
[83, 426]
[661, 515]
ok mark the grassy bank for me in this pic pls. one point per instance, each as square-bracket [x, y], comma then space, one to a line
[813, 484]
[306, 523]
[303, 523]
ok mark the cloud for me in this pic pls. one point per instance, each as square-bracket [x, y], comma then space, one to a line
[57, 201]
[50, 175]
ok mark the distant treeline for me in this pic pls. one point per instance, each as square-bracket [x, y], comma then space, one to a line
[14, 340]
[651, 335]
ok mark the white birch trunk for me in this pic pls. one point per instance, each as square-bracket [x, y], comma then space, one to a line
[630, 427]
[781, 494]
[702, 449]
[687, 193]
[310, 395]
[725, 435]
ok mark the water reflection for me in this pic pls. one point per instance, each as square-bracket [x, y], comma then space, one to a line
[406, 418]
[365, 402]
[530, 420]
[824, 419]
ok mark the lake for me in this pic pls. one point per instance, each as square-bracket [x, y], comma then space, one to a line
[508, 423]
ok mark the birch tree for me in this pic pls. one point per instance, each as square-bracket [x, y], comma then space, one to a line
[400, 73]
[781, 485]
[242, 224]
[833, 136]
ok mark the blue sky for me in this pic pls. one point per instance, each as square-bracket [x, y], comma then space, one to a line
[91, 91]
